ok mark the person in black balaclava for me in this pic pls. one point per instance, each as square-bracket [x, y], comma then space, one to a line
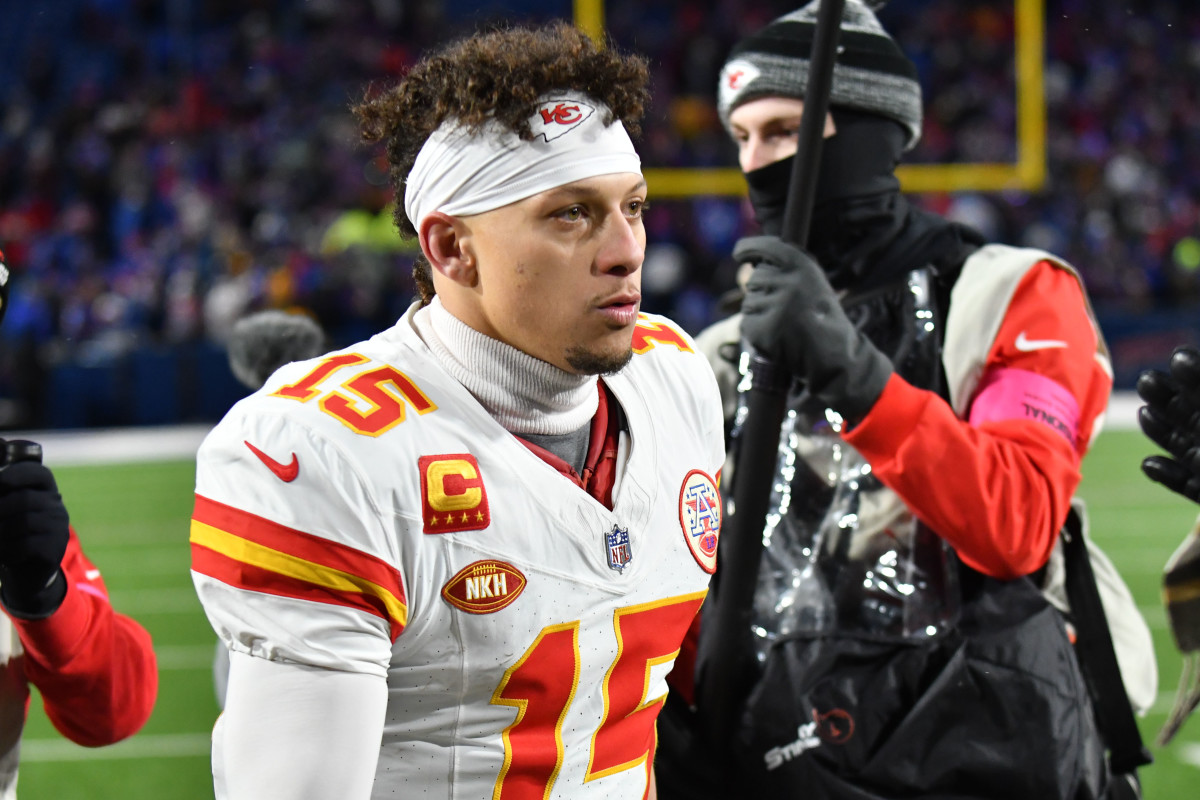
[944, 393]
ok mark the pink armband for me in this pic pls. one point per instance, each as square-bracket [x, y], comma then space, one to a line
[1020, 394]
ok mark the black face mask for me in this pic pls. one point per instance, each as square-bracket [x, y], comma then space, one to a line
[859, 161]
[857, 210]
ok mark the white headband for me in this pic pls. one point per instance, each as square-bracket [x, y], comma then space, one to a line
[462, 173]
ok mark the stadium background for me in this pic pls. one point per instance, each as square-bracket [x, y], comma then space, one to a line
[168, 166]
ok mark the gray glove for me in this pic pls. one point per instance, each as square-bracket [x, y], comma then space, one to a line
[792, 316]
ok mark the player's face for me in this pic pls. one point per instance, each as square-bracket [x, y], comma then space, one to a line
[765, 130]
[560, 272]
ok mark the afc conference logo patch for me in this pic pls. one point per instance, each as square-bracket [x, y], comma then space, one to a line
[555, 118]
[453, 497]
[484, 586]
[700, 518]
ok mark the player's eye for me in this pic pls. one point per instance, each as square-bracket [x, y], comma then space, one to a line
[634, 209]
[571, 213]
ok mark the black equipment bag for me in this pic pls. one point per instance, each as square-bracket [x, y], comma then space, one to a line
[998, 711]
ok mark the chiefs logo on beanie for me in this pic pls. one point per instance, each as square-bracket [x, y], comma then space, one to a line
[871, 74]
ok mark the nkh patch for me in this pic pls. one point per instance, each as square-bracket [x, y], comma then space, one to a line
[617, 545]
[453, 497]
[700, 518]
[484, 586]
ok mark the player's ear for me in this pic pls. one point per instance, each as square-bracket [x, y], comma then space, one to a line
[444, 240]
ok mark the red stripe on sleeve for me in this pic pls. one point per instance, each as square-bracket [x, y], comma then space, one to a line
[300, 544]
[256, 579]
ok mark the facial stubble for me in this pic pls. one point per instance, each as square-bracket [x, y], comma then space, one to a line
[589, 362]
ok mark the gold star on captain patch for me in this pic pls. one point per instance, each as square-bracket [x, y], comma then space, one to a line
[466, 517]
[433, 521]
[449, 519]
[479, 516]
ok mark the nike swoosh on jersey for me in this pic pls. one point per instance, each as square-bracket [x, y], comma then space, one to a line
[92, 574]
[1027, 345]
[285, 472]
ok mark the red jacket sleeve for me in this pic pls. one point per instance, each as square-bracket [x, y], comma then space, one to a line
[998, 485]
[95, 668]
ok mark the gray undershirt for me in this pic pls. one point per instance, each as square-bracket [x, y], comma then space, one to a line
[570, 447]
[531, 398]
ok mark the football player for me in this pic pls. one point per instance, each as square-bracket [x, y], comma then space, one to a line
[458, 559]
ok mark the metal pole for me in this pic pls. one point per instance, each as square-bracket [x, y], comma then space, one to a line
[722, 686]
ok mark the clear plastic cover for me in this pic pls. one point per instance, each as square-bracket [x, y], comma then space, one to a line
[841, 552]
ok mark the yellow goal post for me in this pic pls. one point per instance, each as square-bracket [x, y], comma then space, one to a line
[1027, 173]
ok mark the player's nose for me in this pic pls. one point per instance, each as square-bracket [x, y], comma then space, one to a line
[624, 246]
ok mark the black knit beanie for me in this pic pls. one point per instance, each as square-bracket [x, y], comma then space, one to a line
[871, 74]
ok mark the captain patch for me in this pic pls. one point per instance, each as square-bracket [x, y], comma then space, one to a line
[484, 587]
[700, 518]
[453, 497]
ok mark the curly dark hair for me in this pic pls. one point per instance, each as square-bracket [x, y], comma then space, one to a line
[497, 75]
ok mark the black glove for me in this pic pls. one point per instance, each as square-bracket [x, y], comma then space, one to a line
[792, 316]
[3, 286]
[1172, 419]
[33, 538]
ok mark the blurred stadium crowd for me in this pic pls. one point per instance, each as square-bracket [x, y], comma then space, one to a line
[167, 166]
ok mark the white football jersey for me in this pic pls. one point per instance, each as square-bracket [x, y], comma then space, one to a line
[363, 512]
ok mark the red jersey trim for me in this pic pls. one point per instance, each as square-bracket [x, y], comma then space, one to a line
[246, 576]
[256, 554]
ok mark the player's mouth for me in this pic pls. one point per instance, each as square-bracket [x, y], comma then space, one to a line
[621, 309]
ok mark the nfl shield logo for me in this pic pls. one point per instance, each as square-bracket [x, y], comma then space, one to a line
[619, 553]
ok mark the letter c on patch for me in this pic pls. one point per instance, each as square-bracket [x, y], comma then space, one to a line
[453, 485]
[453, 496]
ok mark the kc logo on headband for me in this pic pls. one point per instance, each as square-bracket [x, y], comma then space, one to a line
[462, 171]
[555, 118]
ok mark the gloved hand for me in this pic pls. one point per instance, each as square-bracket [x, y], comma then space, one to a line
[3, 286]
[1171, 419]
[792, 316]
[33, 538]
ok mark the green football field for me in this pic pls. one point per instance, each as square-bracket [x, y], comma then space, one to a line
[133, 521]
